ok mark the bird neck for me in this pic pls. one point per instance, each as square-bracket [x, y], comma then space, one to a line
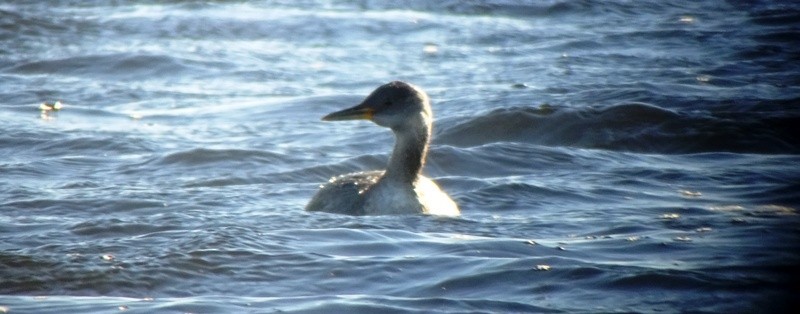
[410, 149]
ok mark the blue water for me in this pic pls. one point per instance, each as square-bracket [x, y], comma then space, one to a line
[607, 156]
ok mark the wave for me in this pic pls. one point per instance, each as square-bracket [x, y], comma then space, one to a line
[115, 65]
[303, 304]
[636, 127]
[204, 156]
[524, 9]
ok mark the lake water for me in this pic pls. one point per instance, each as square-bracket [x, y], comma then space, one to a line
[608, 156]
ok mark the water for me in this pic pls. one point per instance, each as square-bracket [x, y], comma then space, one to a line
[608, 156]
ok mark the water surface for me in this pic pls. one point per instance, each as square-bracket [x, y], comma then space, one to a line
[608, 156]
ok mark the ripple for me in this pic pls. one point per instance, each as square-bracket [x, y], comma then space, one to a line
[116, 227]
[627, 127]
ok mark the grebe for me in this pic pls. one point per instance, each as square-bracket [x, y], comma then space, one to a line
[401, 188]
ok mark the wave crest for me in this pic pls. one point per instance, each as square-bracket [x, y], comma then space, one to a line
[637, 127]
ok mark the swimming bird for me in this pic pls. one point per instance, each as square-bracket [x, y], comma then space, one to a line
[401, 188]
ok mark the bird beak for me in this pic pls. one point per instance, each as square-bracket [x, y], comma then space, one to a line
[360, 112]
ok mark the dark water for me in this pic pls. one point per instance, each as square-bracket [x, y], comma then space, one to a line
[608, 156]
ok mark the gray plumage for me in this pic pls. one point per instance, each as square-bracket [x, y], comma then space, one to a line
[401, 188]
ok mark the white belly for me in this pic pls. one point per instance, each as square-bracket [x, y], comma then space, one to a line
[387, 198]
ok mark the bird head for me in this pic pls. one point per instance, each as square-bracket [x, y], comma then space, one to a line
[393, 105]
